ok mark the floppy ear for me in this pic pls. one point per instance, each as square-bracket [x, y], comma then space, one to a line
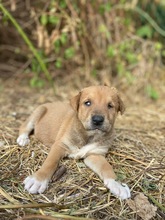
[121, 107]
[106, 83]
[74, 102]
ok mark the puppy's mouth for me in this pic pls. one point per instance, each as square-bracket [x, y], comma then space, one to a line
[97, 123]
[97, 128]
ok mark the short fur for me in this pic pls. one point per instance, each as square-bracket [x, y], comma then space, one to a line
[83, 129]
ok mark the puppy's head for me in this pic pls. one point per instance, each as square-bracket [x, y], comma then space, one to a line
[97, 107]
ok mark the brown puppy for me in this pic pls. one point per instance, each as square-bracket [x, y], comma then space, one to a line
[82, 128]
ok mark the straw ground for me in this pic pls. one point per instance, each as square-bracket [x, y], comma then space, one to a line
[137, 155]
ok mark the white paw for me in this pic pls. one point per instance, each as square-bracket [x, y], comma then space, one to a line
[33, 186]
[120, 190]
[23, 140]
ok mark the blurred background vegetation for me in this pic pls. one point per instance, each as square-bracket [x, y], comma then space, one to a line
[97, 39]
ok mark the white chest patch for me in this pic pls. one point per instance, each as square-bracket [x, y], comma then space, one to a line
[88, 149]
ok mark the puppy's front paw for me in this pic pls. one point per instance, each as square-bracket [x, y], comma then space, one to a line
[120, 190]
[34, 186]
[23, 140]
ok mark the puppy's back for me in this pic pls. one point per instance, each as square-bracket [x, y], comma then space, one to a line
[47, 128]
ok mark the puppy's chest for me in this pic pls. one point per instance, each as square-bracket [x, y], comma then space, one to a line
[78, 140]
[74, 141]
[79, 144]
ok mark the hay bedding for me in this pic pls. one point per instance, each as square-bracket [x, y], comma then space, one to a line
[137, 154]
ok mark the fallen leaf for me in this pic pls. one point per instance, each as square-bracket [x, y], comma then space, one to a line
[142, 206]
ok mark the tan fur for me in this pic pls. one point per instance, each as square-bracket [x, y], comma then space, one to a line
[70, 130]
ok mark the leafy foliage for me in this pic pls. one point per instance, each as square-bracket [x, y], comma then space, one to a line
[152, 93]
[118, 36]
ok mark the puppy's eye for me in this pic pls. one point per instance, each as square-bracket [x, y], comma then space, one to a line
[87, 103]
[110, 105]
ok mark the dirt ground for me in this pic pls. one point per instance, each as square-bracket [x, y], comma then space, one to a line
[137, 155]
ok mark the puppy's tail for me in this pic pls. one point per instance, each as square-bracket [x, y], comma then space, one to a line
[28, 126]
[38, 113]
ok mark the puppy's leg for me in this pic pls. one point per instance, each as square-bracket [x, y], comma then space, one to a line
[38, 182]
[100, 166]
[28, 126]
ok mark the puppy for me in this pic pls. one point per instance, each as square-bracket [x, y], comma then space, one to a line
[82, 128]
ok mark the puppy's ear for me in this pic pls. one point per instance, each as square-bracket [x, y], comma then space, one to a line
[74, 102]
[121, 107]
[107, 83]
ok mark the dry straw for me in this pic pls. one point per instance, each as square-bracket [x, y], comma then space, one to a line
[137, 155]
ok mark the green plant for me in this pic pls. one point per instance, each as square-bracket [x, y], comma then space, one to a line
[36, 82]
[145, 31]
[106, 37]
[151, 92]
[58, 63]
[69, 52]
[49, 19]
[149, 185]
[28, 42]
[122, 55]
[106, 7]
[151, 21]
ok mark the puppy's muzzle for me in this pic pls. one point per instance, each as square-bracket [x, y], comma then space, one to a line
[97, 121]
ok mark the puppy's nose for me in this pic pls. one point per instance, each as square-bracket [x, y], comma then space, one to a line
[97, 119]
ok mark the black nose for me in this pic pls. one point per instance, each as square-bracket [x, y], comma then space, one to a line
[97, 119]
